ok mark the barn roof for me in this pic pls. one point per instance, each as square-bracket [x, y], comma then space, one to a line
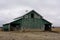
[27, 14]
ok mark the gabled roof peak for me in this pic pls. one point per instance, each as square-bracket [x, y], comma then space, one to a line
[32, 11]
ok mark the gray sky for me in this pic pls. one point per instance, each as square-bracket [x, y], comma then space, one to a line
[49, 9]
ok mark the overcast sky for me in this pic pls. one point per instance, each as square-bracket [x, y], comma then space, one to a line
[49, 9]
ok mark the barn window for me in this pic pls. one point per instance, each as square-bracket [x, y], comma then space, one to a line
[32, 15]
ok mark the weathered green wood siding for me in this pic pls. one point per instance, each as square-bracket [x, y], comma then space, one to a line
[35, 15]
[32, 24]
[6, 27]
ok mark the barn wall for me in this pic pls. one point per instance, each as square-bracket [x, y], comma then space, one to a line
[32, 24]
[17, 25]
[37, 16]
[6, 27]
[29, 15]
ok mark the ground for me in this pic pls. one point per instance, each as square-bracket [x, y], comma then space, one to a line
[56, 29]
[54, 35]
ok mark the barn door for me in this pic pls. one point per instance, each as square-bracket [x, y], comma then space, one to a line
[47, 27]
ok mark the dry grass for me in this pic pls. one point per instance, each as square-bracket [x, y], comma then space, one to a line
[31, 35]
[56, 29]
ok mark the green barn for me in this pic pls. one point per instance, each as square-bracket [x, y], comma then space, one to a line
[30, 21]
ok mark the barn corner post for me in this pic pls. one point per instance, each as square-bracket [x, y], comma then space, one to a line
[50, 27]
[9, 27]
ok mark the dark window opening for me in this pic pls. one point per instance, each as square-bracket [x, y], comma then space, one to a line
[32, 15]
